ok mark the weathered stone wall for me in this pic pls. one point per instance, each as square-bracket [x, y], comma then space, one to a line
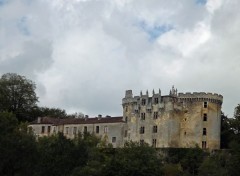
[180, 121]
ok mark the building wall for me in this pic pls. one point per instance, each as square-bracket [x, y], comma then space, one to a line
[180, 121]
[175, 120]
[107, 131]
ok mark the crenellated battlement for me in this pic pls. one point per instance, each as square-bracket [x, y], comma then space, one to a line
[200, 96]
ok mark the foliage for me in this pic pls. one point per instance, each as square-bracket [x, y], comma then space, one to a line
[17, 95]
[17, 146]
[45, 111]
[134, 159]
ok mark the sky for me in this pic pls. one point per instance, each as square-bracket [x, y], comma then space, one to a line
[84, 54]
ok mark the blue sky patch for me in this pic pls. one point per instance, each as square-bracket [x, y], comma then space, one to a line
[154, 31]
[23, 26]
[2, 2]
[201, 2]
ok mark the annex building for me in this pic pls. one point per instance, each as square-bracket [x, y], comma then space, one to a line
[177, 120]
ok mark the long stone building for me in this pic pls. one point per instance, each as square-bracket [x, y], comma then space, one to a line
[178, 120]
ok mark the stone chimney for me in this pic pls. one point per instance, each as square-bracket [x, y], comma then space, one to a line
[86, 117]
[99, 116]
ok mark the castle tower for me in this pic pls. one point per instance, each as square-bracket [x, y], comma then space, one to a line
[174, 120]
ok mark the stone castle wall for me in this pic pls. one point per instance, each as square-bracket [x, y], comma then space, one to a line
[174, 120]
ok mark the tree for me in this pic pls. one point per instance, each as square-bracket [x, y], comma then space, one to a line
[134, 159]
[18, 147]
[17, 95]
[45, 111]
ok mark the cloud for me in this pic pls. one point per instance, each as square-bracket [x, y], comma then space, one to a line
[83, 54]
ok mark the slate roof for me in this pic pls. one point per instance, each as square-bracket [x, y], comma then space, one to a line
[94, 120]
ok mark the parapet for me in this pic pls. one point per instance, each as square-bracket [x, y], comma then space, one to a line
[201, 96]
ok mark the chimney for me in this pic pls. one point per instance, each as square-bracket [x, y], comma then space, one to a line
[99, 116]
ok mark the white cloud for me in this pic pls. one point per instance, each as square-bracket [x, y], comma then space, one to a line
[83, 54]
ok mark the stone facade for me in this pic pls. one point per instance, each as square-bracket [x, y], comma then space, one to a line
[174, 120]
[179, 120]
[107, 128]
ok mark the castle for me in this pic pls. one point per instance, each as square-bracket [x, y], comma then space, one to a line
[177, 120]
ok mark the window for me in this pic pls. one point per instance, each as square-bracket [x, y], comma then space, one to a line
[143, 102]
[74, 130]
[125, 133]
[204, 117]
[54, 129]
[141, 142]
[43, 129]
[149, 110]
[49, 129]
[126, 119]
[142, 130]
[105, 129]
[155, 115]
[143, 116]
[136, 111]
[154, 142]
[156, 100]
[204, 144]
[66, 130]
[204, 131]
[114, 139]
[97, 129]
[85, 129]
[126, 109]
[205, 104]
[154, 129]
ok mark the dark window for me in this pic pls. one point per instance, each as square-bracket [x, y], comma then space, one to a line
[205, 104]
[204, 117]
[155, 129]
[154, 142]
[126, 119]
[155, 115]
[126, 109]
[156, 100]
[85, 129]
[43, 129]
[204, 131]
[149, 110]
[114, 139]
[143, 102]
[142, 130]
[97, 129]
[141, 142]
[136, 111]
[49, 129]
[143, 116]
[204, 144]
[125, 133]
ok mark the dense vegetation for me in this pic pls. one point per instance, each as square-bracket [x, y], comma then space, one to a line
[22, 154]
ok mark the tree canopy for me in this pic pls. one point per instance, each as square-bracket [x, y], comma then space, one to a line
[17, 94]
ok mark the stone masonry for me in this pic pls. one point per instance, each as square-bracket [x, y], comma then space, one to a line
[178, 120]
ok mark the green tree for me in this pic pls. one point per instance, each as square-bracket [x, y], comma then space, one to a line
[17, 95]
[134, 159]
[45, 111]
[18, 147]
[215, 164]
